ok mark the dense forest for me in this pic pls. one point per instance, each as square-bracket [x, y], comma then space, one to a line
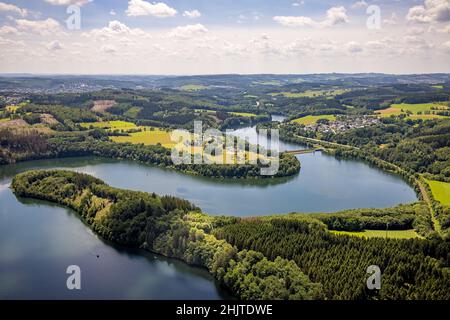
[282, 257]
[412, 269]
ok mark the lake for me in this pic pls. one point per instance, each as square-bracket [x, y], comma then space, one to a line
[39, 240]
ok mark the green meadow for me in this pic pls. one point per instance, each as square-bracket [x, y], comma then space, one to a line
[440, 191]
[394, 234]
[313, 119]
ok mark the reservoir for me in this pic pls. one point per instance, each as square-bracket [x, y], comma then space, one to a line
[38, 240]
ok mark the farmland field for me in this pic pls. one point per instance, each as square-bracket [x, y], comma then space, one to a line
[12, 109]
[243, 114]
[313, 119]
[133, 112]
[397, 234]
[193, 87]
[418, 110]
[151, 136]
[310, 93]
[440, 191]
[112, 125]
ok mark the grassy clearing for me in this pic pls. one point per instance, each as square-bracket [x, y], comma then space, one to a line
[4, 120]
[440, 191]
[205, 110]
[313, 119]
[111, 125]
[132, 112]
[243, 114]
[394, 234]
[154, 136]
[149, 136]
[193, 87]
[268, 83]
[311, 93]
[12, 109]
[418, 110]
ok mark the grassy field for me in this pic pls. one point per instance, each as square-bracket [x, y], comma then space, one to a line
[132, 112]
[4, 120]
[205, 110]
[243, 114]
[310, 93]
[415, 109]
[193, 87]
[12, 109]
[440, 191]
[395, 234]
[151, 136]
[111, 125]
[313, 119]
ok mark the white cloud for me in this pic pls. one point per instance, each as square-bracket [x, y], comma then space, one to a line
[112, 12]
[334, 16]
[192, 14]
[392, 20]
[189, 31]
[8, 30]
[68, 2]
[293, 21]
[354, 47]
[42, 27]
[54, 46]
[430, 11]
[360, 5]
[143, 8]
[446, 45]
[110, 49]
[6, 7]
[113, 30]
[298, 4]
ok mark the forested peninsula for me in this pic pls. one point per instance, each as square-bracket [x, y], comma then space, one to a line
[292, 256]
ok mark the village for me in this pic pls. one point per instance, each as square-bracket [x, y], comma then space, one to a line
[342, 124]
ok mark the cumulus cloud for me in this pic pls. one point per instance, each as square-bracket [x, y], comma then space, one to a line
[8, 30]
[143, 8]
[294, 21]
[114, 29]
[68, 2]
[334, 16]
[54, 46]
[6, 7]
[298, 4]
[430, 11]
[392, 20]
[192, 14]
[360, 5]
[42, 27]
[354, 47]
[110, 49]
[189, 31]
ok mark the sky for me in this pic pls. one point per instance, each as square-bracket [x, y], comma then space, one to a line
[181, 37]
